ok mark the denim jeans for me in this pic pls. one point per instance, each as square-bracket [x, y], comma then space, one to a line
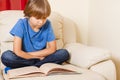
[10, 59]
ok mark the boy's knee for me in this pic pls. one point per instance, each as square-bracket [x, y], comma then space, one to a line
[64, 54]
[7, 55]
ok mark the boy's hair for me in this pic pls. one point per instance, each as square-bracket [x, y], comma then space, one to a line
[37, 8]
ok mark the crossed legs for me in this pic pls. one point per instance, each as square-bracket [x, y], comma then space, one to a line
[9, 59]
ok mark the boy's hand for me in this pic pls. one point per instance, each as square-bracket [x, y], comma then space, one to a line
[41, 58]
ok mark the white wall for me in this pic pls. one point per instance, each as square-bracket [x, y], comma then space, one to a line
[77, 10]
[104, 27]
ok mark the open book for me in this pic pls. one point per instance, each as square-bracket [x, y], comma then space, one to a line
[44, 70]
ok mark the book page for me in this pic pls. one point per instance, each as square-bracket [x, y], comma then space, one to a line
[29, 75]
[44, 70]
[58, 71]
[52, 67]
[23, 71]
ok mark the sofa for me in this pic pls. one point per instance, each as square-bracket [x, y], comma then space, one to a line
[94, 63]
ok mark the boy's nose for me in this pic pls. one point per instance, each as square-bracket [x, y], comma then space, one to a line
[40, 21]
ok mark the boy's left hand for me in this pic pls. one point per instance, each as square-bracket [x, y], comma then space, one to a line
[38, 57]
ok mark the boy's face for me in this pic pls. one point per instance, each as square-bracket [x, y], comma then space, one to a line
[37, 22]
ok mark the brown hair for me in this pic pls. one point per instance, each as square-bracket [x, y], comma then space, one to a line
[37, 8]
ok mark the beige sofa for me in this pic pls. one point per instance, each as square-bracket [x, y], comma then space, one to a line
[94, 63]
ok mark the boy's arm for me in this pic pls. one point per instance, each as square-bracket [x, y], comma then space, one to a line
[17, 48]
[45, 52]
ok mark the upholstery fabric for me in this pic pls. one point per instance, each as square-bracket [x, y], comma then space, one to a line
[105, 67]
[85, 56]
[57, 22]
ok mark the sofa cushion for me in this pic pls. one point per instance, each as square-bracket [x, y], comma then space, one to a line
[7, 21]
[85, 56]
[104, 68]
[57, 23]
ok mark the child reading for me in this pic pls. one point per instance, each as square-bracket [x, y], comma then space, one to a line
[31, 35]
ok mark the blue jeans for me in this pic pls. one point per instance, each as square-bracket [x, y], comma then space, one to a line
[10, 59]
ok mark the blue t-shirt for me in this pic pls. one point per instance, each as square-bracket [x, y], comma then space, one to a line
[31, 40]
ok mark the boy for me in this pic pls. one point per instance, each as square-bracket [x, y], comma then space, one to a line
[31, 35]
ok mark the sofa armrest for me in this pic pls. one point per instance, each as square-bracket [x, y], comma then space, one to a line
[86, 56]
[105, 68]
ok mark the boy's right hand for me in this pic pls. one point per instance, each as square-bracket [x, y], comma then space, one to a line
[41, 58]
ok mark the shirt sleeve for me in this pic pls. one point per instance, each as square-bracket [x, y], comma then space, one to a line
[51, 35]
[17, 30]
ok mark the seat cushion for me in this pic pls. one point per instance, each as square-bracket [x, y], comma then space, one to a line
[86, 56]
[85, 75]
